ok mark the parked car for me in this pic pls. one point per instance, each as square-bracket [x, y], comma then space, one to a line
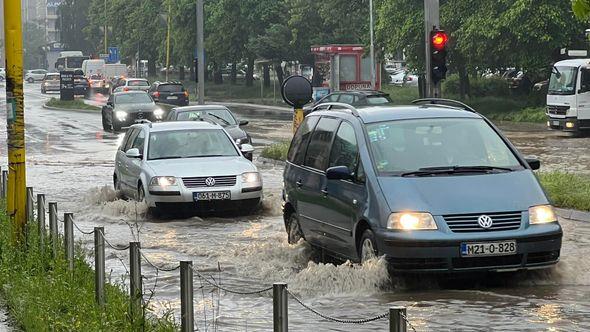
[124, 108]
[99, 84]
[35, 75]
[214, 113]
[403, 78]
[434, 187]
[518, 81]
[358, 98]
[132, 84]
[172, 93]
[192, 165]
[51, 82]
[81, 84]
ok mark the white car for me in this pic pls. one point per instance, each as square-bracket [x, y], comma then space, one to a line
[35, 75]
[403, 78]
[189, 166]
[2, 74]
[132, 84]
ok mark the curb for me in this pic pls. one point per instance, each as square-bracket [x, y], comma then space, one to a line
[68, 109]
[273, 162]
[573, 214]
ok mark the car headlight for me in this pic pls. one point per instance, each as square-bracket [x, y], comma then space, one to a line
[408, 221]
[159, 113]
[541, 214]
[121, 115]
[251, 177]
[163, 181]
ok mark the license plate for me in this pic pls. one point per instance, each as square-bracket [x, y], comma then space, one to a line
[212, 195]
[488, 248]
[556, 123]
[172, 97]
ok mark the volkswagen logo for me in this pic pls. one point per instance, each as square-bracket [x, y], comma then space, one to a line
[210, 182]
[485, 221]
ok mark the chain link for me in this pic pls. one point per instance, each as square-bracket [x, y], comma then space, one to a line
[112, 246]
[215, 285]
[405, 318]
[338, 320]
[157, 267]
[81, 231]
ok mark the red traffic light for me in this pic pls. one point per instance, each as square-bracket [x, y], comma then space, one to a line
[439, 40]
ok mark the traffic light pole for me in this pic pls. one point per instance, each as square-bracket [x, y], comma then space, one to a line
[431, 20]
[200, 54]
[16, 196]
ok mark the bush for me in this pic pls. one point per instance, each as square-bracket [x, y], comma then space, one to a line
[567, 190]
[479, 86]
[277, 151]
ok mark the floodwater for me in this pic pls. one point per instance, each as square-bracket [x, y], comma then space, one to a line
[70, 159]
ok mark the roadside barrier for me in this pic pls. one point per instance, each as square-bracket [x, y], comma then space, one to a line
[397, 316]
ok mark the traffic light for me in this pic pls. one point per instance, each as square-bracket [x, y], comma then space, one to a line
[438, 55]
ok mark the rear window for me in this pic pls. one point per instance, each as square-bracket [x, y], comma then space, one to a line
[138, 83]
[378, 100]
[171, 88]
[52, 77]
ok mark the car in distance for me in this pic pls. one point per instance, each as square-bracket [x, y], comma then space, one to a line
[51, 82]
[357, 98]
[132, 84]
[34, 75]
[124, 108]
[172, 93]
[215, 113]
[81, 84]
[98, 84]
[186, 165]
[434, 187]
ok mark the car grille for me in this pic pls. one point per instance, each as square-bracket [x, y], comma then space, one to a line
[557, 110]
[200, 182]
[502, 221]
[487, 262]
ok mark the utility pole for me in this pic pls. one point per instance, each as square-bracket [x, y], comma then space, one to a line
[200, 54]
[431, 20]
[16, 196]
[168, 43]
[372, 46]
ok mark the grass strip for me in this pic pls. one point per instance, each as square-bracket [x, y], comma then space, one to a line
[76, 104]
[42, 295]
[567, 190]
[277, 151]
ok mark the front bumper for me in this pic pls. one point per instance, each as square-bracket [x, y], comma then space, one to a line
[182, 196]
[570, 124]
[538, 246]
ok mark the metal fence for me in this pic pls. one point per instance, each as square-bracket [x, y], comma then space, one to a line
[37, 213]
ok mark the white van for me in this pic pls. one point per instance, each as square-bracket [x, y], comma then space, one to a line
[93, 67]
[568, 96]
[115, 70]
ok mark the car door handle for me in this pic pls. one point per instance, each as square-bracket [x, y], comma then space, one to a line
[299, 183]
[325, 192]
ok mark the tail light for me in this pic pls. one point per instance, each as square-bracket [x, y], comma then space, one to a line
[186, 94]
[409, 78]
[157, 94]
[125, 89]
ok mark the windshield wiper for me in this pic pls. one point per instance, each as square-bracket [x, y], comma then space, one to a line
[218, 117]
[431, 171]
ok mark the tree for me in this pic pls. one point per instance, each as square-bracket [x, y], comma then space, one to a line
[581, 8]
[33, 41]
[73, 15]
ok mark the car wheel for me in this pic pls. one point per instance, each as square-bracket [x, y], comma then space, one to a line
[117, 186]
[115, 125]
[368, 246]
[105, 124]
[294, 233]
[30, 80]
[43, 91]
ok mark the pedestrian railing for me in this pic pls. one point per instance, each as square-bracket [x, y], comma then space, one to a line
[36, 214]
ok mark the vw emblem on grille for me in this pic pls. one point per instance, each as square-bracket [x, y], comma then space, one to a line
[485, 221]
[210, 182]
[140, 115]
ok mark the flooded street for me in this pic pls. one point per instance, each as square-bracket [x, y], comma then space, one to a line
[70, 159]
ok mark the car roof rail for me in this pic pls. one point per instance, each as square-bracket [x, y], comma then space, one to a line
[348, 107]
[142, 121]
[445, 102]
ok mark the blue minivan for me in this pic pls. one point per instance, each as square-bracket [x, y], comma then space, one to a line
[434, 187]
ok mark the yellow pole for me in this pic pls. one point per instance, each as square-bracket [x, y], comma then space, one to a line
[298, 116]
[16, 196]
[106, 28]
[168, 43]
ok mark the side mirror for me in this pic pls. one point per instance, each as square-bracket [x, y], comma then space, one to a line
[244, 122]
[247, 151]
[338, 173]
[534, 163]
[133, 153]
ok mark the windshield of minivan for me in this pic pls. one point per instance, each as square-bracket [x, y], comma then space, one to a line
[562, 81]
[190, 144]
[411, 145]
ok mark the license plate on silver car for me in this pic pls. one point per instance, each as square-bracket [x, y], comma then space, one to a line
[488, 248]
[172, 97]
[556, 123]
[212, 195]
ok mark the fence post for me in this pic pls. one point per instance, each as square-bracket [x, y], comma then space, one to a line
[187, 316]
[69, 239]
[135, 278]
[397, 323]
[280, 307]
[99, 263]
[4, 182]
[41, 219]
[30, 204]
[53, 227]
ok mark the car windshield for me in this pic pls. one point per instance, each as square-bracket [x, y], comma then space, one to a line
[562, 81]
[133, 98]
[138, 83]
[378, 100]
[190, 144]
[171, 88]
[412, 145]
[221, 116]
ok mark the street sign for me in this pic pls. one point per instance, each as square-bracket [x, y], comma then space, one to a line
[113, 55]
[66, 85]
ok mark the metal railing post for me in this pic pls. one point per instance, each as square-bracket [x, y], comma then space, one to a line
[280, 307]
[41, 219]
[4, 183]
[69, 239]
[53, 227]
[30, 214]
[397, 323]
[135, 277]
[187, 316]
[99, 263]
